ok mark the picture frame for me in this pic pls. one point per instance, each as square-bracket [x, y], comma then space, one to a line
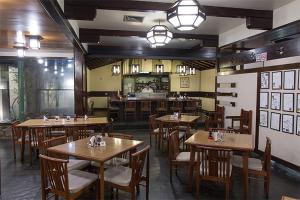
[264, 100]
[263, 118]
[288, 102]
[298, 79]
[275, 100]
[298, 103]
[275, 121]
[288, 123]
[277, 80]
[265, 80]
[289, 78]
[298, 126]
[184, 82]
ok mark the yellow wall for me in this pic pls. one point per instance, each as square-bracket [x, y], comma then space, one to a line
[207, 84]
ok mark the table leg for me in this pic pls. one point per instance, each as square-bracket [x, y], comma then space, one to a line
[191, 169]
[23, 135]
[188, 134]
[101, 173]
[245, 172]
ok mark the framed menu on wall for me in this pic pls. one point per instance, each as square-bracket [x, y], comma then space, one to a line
[264, 118]
[298, 103]
[298, 80]
[288, 102]
[275, 121]
[264, 100]
[289, 80]
[275, 100]
[288, 123]
[276, 80]
[265, 80]
[298, 126]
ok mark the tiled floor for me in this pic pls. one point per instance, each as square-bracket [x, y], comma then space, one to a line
[23, 182]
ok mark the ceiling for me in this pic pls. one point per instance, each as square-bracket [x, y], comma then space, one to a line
[29, 16]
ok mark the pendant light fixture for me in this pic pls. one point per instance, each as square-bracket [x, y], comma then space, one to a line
[20, 44]
[116, 70]
[186, 15]
[159, 35]
[34, 41]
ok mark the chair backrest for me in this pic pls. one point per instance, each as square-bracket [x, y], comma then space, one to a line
[173, 145]
[51, 143]
[145, 105]
[220, 114]
[37, 136]
[138, 161]
[162, 104]
[177, 104]
[191, 103]
[91, 108]
[224, 130]
[130, 104]
[214, 163]
[54, 174]
[152, 122]
[16, 131]
[80, 133]
[267, 156]
[246, 122]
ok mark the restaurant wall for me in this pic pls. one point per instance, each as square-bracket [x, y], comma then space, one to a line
[207, 84]
[246, 89]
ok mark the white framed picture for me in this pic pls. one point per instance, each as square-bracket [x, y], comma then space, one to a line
[275, 121]
[276, 80]
[264, 100]
[289, 80]
[288, 123]
[264, 118]
[265, 80]
[275, 101]
[288, 102]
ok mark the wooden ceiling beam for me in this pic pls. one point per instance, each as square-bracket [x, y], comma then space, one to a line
[92, 36]
[207, 53]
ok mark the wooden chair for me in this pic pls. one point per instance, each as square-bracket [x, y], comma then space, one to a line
[36, 136]
[130, 109]
[257, 167]
[162, 107]
[56, 179]
[145, 108]
[113, 109]
[191, 107]
[16, 136]
[213, 165]
[129, 178]
[176, 106]
[154, 130]
[245, 119]
[215, 119]
[165, 129]
[177, 158]
[73, 164]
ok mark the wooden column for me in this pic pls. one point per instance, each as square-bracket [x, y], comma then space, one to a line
[80, 85]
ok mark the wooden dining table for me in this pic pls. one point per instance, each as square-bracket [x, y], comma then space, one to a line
[81, 149]
[236, 142]
[184, 120]
[60, 123]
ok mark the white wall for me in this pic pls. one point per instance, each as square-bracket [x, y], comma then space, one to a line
[246, 88]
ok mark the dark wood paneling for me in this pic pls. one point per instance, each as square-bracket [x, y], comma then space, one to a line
[78, 8]
[227, 94]
[95, 62]
[79, 79]
[275, 51]
[92, 36]
[100, 93]
[278, 34]
[208, 53]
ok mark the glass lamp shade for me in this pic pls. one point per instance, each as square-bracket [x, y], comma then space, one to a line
[34, 43]
[135, 68]
[116, 70]
[186, 15]
[159, 35]
[191, 70]
[159, 68]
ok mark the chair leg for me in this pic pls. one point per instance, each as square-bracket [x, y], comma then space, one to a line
[14, 150]
[147, 189]
[267, 185]
[150, 136]
[171, 169]
[30, 154]
[198, 187]
[138, 189]
[227, 190]
[133, 195]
